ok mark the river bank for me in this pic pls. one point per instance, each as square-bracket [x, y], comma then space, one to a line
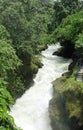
[56, 106]
[65, 108]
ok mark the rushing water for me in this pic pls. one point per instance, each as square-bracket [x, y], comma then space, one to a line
[30, 112]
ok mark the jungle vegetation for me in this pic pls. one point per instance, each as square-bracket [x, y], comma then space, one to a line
[26, 27]
[68, 30]
[23, 30]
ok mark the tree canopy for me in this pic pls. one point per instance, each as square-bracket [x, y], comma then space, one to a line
[23, 27]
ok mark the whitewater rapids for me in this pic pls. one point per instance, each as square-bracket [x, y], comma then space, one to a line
[30, 112]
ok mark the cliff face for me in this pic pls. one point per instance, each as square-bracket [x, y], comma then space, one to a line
[56, 107]
[66, 107]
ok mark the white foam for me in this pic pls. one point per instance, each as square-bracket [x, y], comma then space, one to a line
[30, 112]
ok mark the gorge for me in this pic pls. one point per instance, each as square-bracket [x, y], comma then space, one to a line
[30, 112]
[26, 28]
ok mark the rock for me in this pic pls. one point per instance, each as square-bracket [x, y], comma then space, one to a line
[66, 107]
[41, 48]
[56, 106]
[59, 52]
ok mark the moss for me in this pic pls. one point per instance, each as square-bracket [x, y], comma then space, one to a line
[56, 106]
[41, 48]
[59, 52]
[37, 62]
[73, 93]
[66, 107]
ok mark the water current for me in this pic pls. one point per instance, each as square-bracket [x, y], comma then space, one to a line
[30, 112]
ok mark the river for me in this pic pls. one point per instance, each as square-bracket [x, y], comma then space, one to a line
[30, 112]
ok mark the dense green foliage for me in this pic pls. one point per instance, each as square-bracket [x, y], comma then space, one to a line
[9, 62]
[6, 121]
[23, 30]
[67, 106]
[70, 34]
[68, 22]
[63, 8]
[70, 28]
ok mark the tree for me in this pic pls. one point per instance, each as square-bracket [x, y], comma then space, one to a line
[62, 9]
[69, 34]
[23, 26]
[6, 121]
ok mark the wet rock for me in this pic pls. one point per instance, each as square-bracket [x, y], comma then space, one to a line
[57, 112]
